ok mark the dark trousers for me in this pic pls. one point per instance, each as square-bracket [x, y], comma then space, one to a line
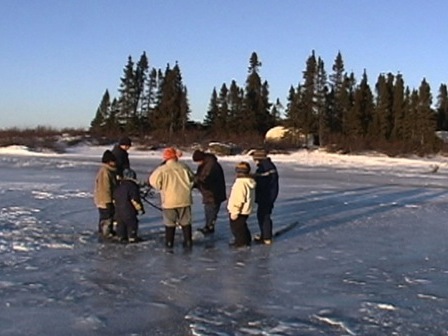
[105, 223]
[211, 214]
[240, 230]
[264, 212]
[127, 227]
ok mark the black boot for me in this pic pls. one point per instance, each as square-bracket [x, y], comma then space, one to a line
[169, 236]
[186, 230]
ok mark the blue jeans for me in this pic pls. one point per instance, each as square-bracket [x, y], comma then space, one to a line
[211, 214]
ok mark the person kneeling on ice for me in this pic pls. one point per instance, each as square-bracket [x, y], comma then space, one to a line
[128, 205]
[240, 204]
[105, 183]
[175, 181]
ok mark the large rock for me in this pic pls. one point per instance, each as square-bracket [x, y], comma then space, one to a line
[277, 134]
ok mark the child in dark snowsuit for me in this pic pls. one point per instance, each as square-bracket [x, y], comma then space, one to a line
[128, 204]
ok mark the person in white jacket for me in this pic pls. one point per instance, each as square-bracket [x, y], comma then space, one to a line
[240, 204]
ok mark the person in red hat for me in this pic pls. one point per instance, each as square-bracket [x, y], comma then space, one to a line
[175, 181]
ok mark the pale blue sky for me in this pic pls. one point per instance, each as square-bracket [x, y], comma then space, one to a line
[59, 56]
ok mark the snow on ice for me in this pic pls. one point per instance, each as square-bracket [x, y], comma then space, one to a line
[367, 258]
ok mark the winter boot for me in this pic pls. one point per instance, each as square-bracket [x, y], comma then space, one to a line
[169, 236]
[186, 230]
[105, 228]
[207, 230]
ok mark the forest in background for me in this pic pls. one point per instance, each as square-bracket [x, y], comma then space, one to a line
[333, 110]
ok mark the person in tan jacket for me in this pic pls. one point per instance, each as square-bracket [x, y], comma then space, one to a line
[105, 183]
[175, 181]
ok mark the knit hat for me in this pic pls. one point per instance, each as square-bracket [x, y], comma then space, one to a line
[242, 168]
[125, 141]
[169, 153]
[198, 155]
[259, 154]
[108, 156]
[129, 174]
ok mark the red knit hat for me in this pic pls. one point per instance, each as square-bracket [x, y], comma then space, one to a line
[169, 153]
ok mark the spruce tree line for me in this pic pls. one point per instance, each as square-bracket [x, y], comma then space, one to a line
[332, 110]
[344, 113]
[150, 100]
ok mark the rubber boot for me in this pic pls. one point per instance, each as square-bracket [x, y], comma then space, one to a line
[169, 236]
[186, 230]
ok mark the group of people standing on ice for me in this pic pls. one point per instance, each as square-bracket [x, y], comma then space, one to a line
[117, 195]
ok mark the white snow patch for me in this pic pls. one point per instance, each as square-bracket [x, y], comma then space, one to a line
[386, 306]
[334, 323]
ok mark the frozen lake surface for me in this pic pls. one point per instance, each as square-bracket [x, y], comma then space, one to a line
[369, 256]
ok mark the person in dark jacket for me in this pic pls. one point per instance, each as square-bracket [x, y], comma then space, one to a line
[128, 205]
[209, 179]
[266, 192]
[120, 152]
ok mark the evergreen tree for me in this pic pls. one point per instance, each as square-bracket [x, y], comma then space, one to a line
[128, 99]
[360, 116]
[253, 101]
[442, 108]
[345, 101]
[398, 108]
[337, 79]
[276, 111]
[235, 108]
[150, 100]
[172, 110]
[293, 113]
[112, 126]
[220, 124]
[213, 110]
[102, 114]
[308, 111]
[426, 117]
[156, 119]
[384, 104]
[410, 120]
[265, 119]
[321, 103]
[140, 120]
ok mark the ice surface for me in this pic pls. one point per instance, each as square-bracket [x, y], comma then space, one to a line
[367, 258]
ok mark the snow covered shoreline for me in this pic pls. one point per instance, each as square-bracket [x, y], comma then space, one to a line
[318, 158]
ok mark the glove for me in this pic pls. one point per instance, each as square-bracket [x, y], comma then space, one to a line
[233, 216]
[143, 184]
